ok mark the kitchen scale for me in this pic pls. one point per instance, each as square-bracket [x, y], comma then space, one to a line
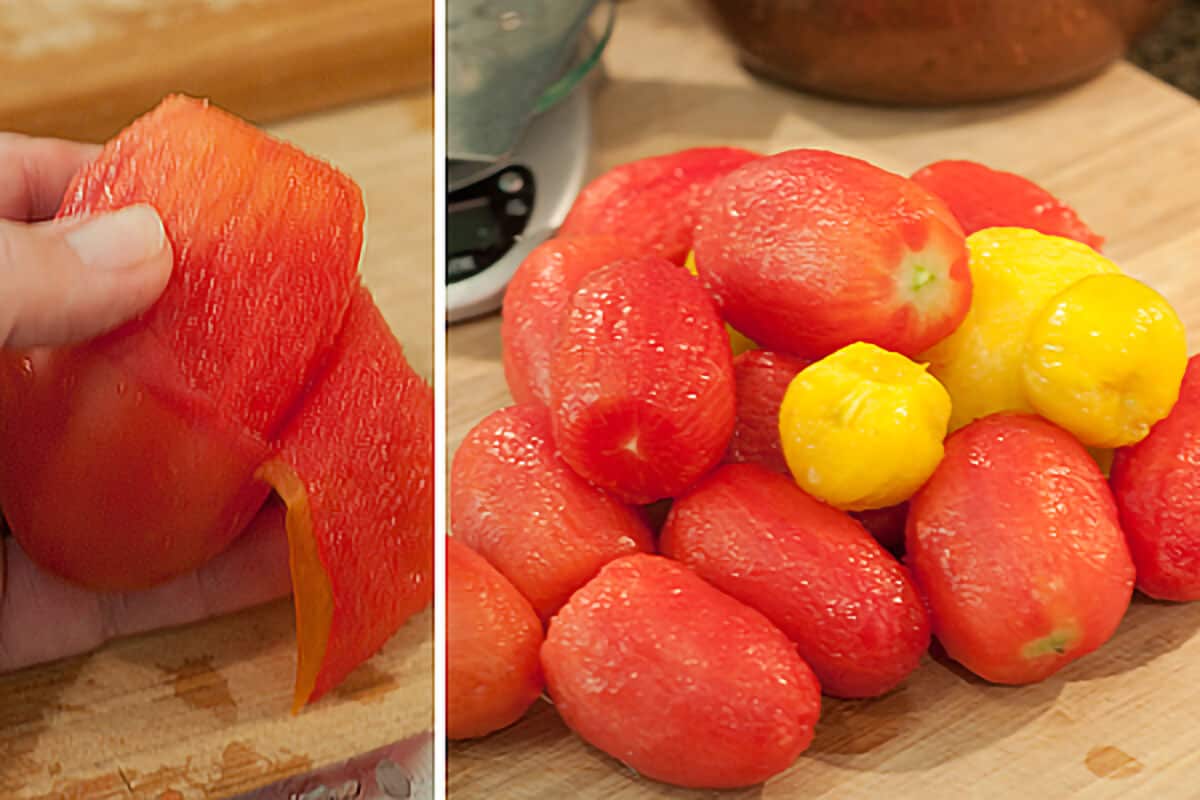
[518, 128]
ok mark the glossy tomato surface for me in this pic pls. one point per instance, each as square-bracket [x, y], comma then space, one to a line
[852, 610]
[1015, 544]
[678, 680]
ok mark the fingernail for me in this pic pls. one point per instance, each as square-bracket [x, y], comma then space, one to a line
[118, 239]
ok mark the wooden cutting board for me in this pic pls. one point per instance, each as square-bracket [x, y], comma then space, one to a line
[1125, 150]
[203, 711]
[83, 68]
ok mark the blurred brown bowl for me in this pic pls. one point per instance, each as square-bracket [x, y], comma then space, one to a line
[930, 52]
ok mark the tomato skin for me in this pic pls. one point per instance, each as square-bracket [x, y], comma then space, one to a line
[1016, 546]
[678, 680]
[115, 483]
[1157, 487]
[358, 483]
[852, 610]
[266, 241]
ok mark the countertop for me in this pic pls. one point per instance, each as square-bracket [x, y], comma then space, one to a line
[81, 69]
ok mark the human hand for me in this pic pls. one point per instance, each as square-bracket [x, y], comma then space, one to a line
[64, 281]
[67, 280]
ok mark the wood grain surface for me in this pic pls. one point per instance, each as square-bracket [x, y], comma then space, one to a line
[82, 68]
[203, 711]
[1120, 723]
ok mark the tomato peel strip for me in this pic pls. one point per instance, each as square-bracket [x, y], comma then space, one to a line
[360, 507]
[314, 603]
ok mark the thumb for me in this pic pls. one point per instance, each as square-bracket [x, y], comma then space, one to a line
[73, 279]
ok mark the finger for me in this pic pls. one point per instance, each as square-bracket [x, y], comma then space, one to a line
[34, 174]
[42, 617]
[65, 281]
[253, 571]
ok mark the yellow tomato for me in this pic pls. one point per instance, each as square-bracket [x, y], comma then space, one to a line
[863, 428]
[1015, 272]
[738, 341]
[1104, 359]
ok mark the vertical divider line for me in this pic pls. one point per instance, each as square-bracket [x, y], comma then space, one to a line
[440, 399]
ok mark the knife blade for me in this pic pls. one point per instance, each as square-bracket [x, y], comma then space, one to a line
[399, 771]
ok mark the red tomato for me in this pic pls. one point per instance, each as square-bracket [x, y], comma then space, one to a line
[1014, 541]
[651, 203]
[516, 502]
[678, 680]
[762, 380]
[1157, 487]
[493, 641]
[981, 197]
[534, 303]
[642, 392]
[130, 460]
[111, 483]
[807, 251]
[852, 610]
